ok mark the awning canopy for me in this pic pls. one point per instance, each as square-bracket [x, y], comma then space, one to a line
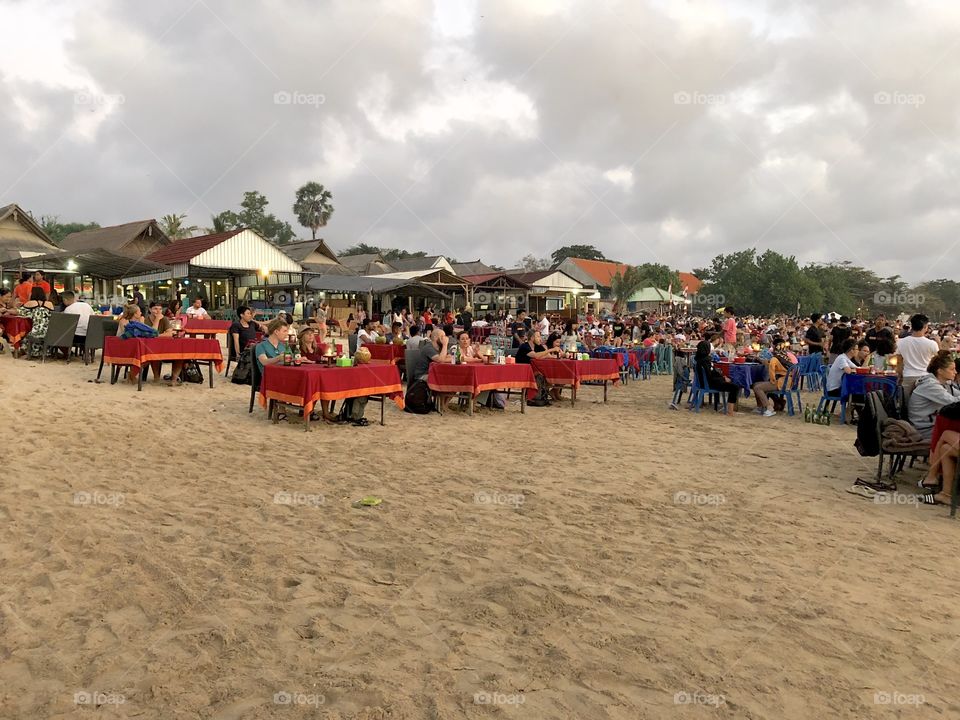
[102, 264]
[374, 284]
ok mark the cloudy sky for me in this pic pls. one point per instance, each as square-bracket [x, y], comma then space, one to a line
[657, 130]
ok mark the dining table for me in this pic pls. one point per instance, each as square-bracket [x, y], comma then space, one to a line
[386, 352]
[573, 373]
[137, 353]
[744, 374]
[862, 383]
[471, 379]
[305, 385]
[15, 327]
[194, 327]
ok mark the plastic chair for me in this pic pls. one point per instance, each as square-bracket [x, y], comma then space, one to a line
[665, 361]
[701, 388]
[256, 377]
[60, 333]
[826, 399]
[98, 327]
[791, 388]
[681, 384]
[810, 371]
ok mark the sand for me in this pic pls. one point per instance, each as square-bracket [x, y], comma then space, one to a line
[603, 561]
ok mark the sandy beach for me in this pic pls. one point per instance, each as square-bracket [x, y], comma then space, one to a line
[165, 554]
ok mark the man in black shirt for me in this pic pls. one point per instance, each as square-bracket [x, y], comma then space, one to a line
[618, 329]
[518, 327]
[813, 338]
[838, 334]
[879, 324]
[466, 318]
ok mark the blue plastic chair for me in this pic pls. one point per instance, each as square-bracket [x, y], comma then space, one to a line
[791, 389]
[810, 371]
[701, 389]
[681, 385]
[826, 399]
[665, 360]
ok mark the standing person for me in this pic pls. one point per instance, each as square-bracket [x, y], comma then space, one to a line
[544, 325]
[518, 326]
[23, 288]
[139, 300]
[730, 332]
[838, 334]
[915, 351]
[467, 318]
[813, 338]
[879, 323]
[428, 315]
[39, 282]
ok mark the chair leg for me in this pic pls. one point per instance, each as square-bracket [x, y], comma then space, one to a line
[880, 467]
[100, 370]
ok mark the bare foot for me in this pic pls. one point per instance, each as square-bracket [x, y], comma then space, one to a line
[942, 498]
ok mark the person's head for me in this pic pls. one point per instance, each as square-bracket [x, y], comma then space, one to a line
[814, 318]
[278, 328]
[308, 339]
[414, 330]
[703, 349]
[4, 292]
[37, 293]
[174, 306]
[395, 328]
[844, 319]
[436, 337]
[368, 324]
[245, 313]
[463, 339]
[554, 340]
[132, 312]
[943, 367]
[849, 347]
[156, 308]
[880, 321]
[863, 349]
[198, 302]
[68, 297]
[26, 277]
[919, 322]
[533, 337]
[38, 276]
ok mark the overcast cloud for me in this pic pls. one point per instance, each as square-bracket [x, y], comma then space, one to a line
[659, 131]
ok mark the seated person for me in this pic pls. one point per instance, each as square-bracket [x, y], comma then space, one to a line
[196, 310]
[311, 350]
[38, 309]
[415, 338]
[243, 332]
[715, 380]
[164, 328]
[433, 349]
[777, 366]
[270, 350]
[131, 325]
[366, 333]
[468, 351]
[8, 302]
[843, 365]
[534, 349]
[396, 332]
[932, 392]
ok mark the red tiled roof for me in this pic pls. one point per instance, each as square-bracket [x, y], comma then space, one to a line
[602, 271]
[690, 281]
[185, 250]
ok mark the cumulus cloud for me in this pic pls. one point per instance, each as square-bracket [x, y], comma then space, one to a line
[656, 130]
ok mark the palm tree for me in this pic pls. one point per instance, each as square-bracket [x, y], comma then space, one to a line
[623, 285]
[312, 206]
[219, 224]
[173, 227]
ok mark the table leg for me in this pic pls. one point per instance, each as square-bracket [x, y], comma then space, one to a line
[843, 411]
[306, 420]
[139, 377]
[604, 391]
[470, 399]
[210, 372]
[573, 396]
[383, 399]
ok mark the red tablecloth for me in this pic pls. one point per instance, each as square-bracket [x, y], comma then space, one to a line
[574, 372]
[140, 351]
[479, 334]
[939, 425]
[15, 328]
[386, 351]
[475, 378]
[206, 327]
[306, 384]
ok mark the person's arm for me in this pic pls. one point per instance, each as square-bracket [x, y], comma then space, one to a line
[442, 356]
[264, 360]
[236, 343]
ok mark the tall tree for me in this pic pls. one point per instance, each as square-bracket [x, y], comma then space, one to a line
[623, 285]
[174, 228]
[531, 263]
[659, 276]
[584, 252]
[58, 231]
[312, 206]
[219, 223]
[253, 214]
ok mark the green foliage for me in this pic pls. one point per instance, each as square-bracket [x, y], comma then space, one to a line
[659, 276]
[388, 254]
[624, 284]
[253, 214]
[584, 252]
[531, 263]
[173, 227]
[58, 231]
[312, 206]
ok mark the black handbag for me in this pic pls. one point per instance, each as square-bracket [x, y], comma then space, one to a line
[191, 372]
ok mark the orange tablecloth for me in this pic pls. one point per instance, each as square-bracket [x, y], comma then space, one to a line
[574, 372]
[140, 351]
[306, 384]
[206, 327]
[386, 351]
[475, 378]
[15, 328]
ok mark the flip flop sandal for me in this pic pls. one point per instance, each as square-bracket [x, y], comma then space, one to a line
[935, 487]
[281, 417]
[863, 491]
[362, 422]
[878, 486]
[314, 417]
[928, 498]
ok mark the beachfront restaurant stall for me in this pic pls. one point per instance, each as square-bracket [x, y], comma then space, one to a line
[454, 289]
[494, 291]
[93, 274]
[374, 292]
[21, 237]
[651, 299]
[553, 292]
[237, 267]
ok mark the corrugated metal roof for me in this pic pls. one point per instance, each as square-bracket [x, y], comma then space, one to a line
[97, 263]
[188, 248]
[376, 284]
